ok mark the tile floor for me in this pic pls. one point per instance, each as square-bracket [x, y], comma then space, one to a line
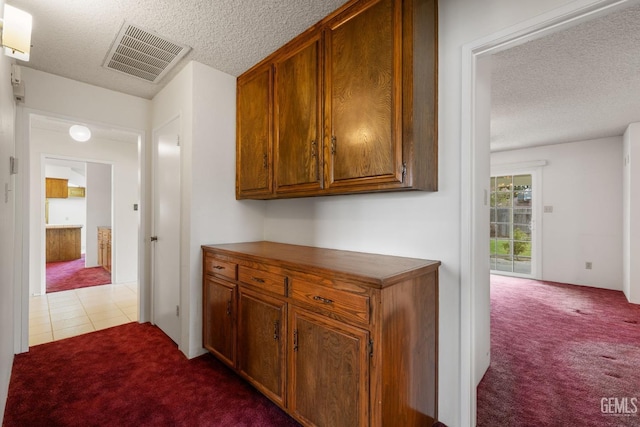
[65, 314]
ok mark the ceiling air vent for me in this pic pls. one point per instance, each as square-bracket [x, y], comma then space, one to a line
[143, 54]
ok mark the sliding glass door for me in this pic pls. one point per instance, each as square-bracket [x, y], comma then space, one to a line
[512, 219]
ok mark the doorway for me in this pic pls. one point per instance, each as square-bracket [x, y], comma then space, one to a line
[110, 163]
[475, 179]
[78, 220]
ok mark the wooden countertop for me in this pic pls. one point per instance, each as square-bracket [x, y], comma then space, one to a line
[52, 226]
[373, 269]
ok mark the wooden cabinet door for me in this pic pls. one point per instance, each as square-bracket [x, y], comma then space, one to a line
[298, 101]
[53, 245]
[218, 329]
[261, 343]
[363, 96]
[76, 191]
[329, 371]
[56, 188]
[254, 134]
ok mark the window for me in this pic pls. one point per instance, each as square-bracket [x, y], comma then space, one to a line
[511, 224]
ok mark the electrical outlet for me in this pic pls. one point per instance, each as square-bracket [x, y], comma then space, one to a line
[548, 209]
[588, 265]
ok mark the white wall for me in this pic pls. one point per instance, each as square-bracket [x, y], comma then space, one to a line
[98, 196]
[631, 213]
[205, 100]
[7, 297]
[124, 158]
[582, 182]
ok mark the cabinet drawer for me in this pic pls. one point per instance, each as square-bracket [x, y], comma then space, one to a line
[220, 268]
[264, 279]
[345, 304]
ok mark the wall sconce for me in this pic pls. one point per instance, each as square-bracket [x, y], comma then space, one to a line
[16, 33]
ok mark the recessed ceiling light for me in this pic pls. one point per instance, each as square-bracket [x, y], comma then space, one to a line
[80, 133]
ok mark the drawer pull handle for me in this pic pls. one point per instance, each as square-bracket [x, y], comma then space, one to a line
[218, 267]
[323, 300]
[257, 279]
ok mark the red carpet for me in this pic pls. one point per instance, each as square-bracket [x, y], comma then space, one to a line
[66, 275]
[561, 355]
[130, 375]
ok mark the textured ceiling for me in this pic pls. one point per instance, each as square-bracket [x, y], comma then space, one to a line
[72, 37]
[578, 84]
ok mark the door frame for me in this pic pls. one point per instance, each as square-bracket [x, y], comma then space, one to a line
[24, 209]
[43, 231]
[473, 150]
[152, 254]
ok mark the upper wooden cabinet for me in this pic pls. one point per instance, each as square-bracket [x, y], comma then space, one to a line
[56, 188]
[254, 134]
[353, 102]
[76, 191]
[298, 118]
[363, 86]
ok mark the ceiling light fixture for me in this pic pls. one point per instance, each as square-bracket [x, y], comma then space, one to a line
[16, 32]
[80, 133]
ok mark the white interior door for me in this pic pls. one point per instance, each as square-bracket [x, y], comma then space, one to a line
[166, 229]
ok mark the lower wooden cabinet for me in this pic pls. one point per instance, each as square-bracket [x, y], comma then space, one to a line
[63, 242]
[219, 331]
[261, 350]
[335, 338]
[329, 371]
[104, 247]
